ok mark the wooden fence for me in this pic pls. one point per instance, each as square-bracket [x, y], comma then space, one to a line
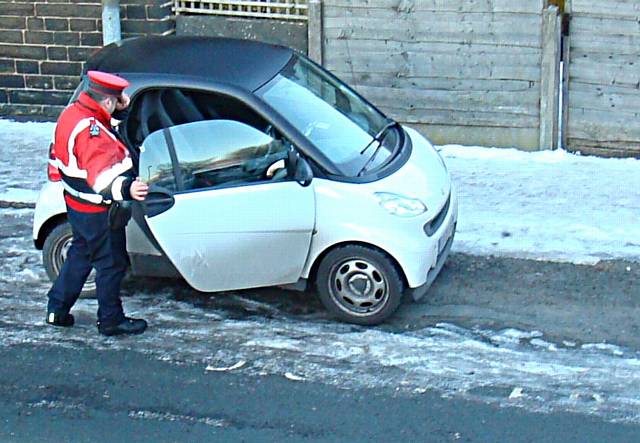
[481, 72]
[460, 71]
[602, 106]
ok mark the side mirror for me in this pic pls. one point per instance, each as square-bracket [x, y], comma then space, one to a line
[303, 173]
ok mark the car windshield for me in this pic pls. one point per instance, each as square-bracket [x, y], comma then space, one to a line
[335, 119]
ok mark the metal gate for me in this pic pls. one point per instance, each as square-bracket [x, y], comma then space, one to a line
[275, 9]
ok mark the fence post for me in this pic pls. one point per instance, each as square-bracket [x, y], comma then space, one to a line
[110, 21]
[550, 78]
[314, 30]
[566, 65]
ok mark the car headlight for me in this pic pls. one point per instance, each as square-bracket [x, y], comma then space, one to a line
[400, 205]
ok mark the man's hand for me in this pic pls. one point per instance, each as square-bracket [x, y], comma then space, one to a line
[138, 189]
[122, 102]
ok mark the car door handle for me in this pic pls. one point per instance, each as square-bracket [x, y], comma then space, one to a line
[157, 201]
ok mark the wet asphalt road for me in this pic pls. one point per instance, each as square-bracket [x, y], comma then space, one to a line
[584, 303]
[57, 394]
[76, 386]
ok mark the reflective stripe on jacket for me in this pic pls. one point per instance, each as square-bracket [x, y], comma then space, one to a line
[95, 166]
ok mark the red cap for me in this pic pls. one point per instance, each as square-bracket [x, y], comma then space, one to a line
[106, 83]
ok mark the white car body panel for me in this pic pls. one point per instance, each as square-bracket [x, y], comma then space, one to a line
[50, 204]
[350, 212]
[261, 235]
[239, 237]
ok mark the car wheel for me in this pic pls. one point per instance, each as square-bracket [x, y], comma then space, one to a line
[359, 285]
[54, 254]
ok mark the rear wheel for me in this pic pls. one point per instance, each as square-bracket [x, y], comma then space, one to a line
[54, 253]
[359, 284]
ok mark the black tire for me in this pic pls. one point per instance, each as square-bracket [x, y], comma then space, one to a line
[54, 252]
[359, 284]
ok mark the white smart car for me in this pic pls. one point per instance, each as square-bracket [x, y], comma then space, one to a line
[266, 170]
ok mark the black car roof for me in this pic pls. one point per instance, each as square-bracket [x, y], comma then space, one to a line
[242, 63]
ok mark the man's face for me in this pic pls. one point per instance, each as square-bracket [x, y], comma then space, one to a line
[110, 104]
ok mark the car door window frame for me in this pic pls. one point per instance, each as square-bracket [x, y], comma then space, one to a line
[142, 84]
[177, 167]
[244, 171]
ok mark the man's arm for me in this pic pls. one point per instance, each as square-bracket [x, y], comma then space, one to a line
[108, 176]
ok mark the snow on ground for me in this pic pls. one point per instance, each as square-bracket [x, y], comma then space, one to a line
[23, 159]
[19, 195]
[543, 205]
[549, 205]
[506, 367]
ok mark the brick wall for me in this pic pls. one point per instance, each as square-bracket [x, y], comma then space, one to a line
[44, 44]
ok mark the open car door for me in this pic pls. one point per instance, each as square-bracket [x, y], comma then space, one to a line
[224, 206]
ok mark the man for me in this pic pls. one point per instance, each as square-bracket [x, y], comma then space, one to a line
[96, 171]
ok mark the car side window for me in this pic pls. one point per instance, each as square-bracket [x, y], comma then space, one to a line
[158, 108]
[214, 153]
[155, 165]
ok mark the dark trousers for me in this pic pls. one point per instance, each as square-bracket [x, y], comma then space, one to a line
[95, 245]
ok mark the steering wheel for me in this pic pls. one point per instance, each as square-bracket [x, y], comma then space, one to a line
[277, 170]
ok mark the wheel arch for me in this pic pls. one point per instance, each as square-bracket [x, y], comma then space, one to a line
[47, 227]
[313, 271]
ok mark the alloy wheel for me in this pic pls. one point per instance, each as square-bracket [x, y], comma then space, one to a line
[358, 287]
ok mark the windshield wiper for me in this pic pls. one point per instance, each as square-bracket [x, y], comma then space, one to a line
[379, 137]
[379, 134]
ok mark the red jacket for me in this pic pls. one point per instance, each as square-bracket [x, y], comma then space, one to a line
[95, 166]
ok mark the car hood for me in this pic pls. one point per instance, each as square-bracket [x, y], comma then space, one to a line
[424, 176]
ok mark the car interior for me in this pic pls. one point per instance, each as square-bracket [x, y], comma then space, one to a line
[165, 107]
[157, 109]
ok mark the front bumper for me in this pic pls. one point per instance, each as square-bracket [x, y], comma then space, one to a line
[420, 291]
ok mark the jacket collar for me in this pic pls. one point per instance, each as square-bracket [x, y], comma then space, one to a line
[87, 102]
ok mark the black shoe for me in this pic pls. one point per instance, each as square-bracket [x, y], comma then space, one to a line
[127, 326]
[64, 320]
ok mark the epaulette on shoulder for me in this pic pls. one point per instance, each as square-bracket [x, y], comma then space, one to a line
[94, 129]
